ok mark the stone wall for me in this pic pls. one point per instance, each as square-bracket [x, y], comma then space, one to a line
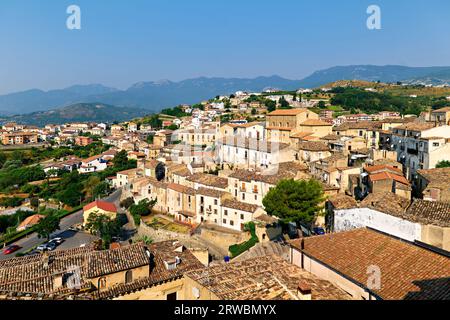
[223, 240]
[160, 235]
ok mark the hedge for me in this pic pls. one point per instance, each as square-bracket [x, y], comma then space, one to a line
[240, 248]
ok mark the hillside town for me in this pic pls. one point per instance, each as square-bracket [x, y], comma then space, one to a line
[253, 196]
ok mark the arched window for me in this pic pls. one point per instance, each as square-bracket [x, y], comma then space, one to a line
[102, 283]
[128, 276]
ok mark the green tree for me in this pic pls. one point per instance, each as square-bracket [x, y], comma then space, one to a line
[34, 203]
[443, 164]
[3, 159]
[103, 226]
[89, 186]
[254, 111]
[126, 203]
[48, 225]
[143, 208]
[71, 195]
[172, 127]
[101, 190]
[270, 105]
[120, 159]
[284, 104]
[295, 201]
[321, 104]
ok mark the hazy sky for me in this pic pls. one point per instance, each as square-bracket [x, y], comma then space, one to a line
[123, 42]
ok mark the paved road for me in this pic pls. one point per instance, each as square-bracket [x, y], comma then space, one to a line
[33, 240]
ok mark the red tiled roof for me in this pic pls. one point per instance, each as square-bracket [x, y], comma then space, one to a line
[107, 206]
[371, 169]
[31, 220]
[407, 271]
[388, 176]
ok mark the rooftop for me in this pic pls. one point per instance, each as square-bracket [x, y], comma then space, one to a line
[180, 188]
[263, 278]
[161, 251]
[436, 176]
[313, 146]
[343, 201]
[287, 112]
[386, 202]
[416, 126]
[367, 125]
[429, 212]
[30, 275]
[234, 204]
[209, 180]
[211, 192]
[408, 271]
[106, 206]
[315, 122]
[388, 176]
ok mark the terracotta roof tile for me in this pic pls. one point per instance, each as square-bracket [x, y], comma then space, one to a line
[287, 112]
[407, 271]
[107, 206]
[234, 204]
[263, 278]
[429, 212]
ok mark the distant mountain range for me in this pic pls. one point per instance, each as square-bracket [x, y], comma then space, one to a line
[80, 112]
[412, 75]
[154, 96]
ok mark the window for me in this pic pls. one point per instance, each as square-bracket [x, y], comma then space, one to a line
[215, 211]
[102, 283]
[225, 212]
[435, 144]
[243, 196]
[224, 221]
[231, 223]
[128, 276]
[172, 296]
[215, 202]
[242, 217]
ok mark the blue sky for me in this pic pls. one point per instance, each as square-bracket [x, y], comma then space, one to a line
[123, 42]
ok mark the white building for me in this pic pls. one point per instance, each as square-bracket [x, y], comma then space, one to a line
[420, 145]
[253, 152]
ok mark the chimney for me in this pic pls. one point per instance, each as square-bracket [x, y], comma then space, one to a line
[302, 247]
[304, 291]
[45, 259]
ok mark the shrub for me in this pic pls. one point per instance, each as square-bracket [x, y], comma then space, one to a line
[126, 203]
[239, 248]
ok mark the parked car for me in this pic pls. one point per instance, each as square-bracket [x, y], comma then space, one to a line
[11, 249]
[319, 231]
[58, 240]
[49, 246]
[116, 239]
